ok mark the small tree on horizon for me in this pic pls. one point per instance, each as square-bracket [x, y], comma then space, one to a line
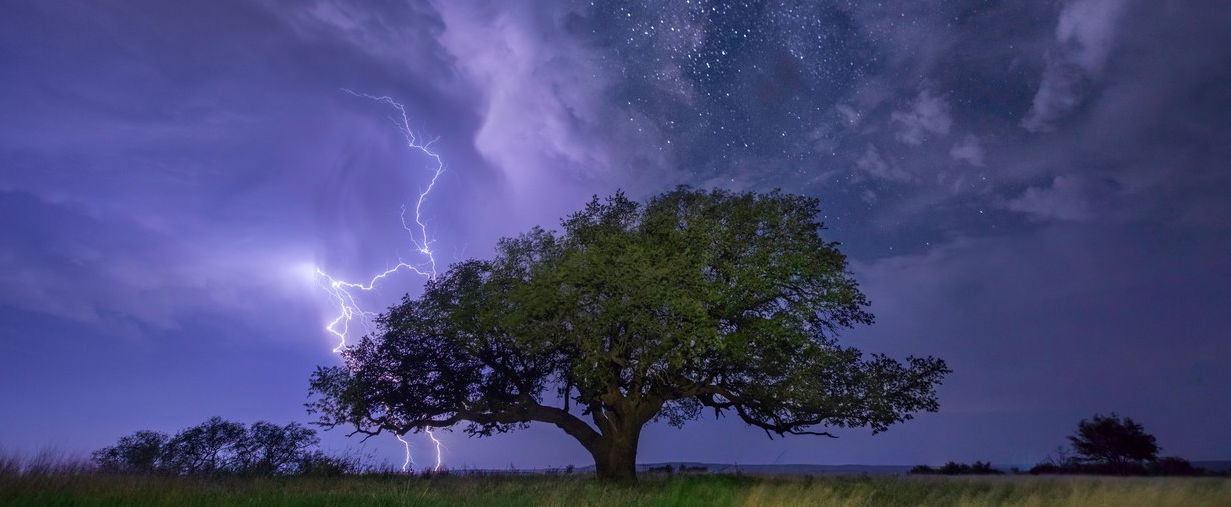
[1113, 441]
[269, 449]
[210, 447]
[694, 301]
[142, 452]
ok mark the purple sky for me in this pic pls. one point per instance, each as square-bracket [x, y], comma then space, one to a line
[1037, 192]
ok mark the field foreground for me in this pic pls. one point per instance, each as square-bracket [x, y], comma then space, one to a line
[711, 490]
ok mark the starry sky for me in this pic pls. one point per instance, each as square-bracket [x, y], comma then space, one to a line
[1038, 192]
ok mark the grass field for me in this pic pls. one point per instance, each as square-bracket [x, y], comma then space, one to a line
[711, 490]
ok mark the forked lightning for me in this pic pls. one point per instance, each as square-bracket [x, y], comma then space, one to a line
[344, 292]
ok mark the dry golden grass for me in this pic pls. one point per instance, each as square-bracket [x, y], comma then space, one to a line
[1023, 491]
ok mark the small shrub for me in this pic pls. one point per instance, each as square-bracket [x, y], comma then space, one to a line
[955, 468]
[665, 469]
[1172, 465]
[1045, 469]
[319, 464]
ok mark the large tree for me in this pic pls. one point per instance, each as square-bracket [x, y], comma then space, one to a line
[633, 312]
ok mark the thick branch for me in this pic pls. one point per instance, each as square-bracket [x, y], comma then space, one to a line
[733, 401]
[526, 412]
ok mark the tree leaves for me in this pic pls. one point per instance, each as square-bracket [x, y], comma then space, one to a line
[634, 311]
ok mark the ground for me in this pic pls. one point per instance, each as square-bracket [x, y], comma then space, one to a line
[708, 490]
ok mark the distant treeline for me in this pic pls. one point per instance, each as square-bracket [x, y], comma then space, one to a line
[219, 446]
[1102, 445]
[1169, 465]
[954, 468]
[682, 468]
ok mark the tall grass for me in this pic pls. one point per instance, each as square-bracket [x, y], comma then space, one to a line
[702, 490]
[42, 463]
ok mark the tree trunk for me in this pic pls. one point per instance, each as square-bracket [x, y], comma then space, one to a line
[615, 455]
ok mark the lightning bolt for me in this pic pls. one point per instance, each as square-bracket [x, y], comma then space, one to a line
[407, 462]
[343, 293]
[439, 445]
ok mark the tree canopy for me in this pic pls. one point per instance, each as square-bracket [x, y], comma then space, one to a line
[1113, 441]
[693, 301]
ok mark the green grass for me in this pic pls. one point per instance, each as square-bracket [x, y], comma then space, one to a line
[711, 490]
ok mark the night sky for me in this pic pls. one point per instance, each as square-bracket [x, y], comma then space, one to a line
[1038, 192]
